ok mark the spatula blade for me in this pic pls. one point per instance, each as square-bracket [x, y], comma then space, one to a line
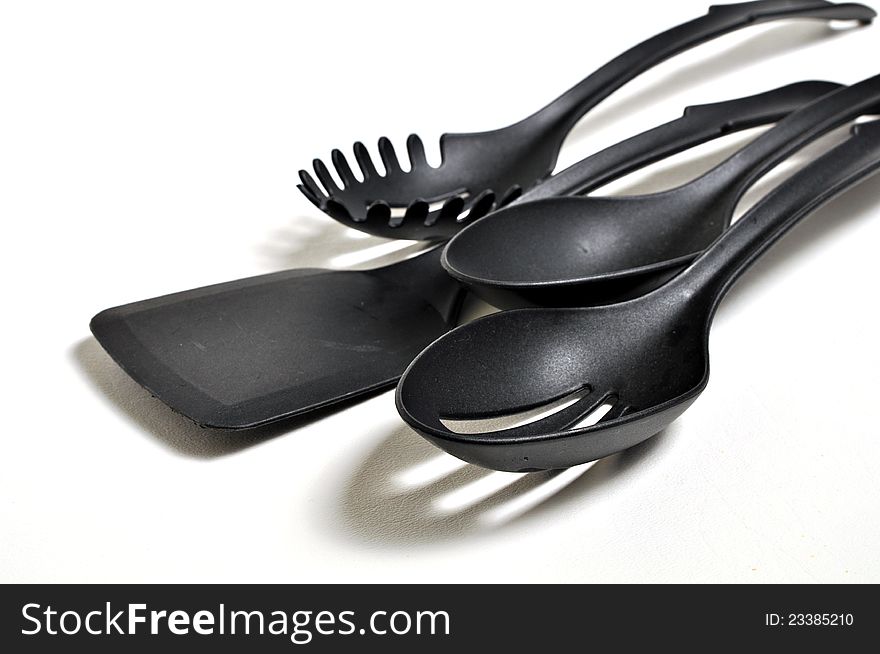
[246, 353]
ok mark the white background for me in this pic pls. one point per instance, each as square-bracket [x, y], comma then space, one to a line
[153, 147]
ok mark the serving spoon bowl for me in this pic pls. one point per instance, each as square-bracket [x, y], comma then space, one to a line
[596, 250]
[647, 357]
[480, 171]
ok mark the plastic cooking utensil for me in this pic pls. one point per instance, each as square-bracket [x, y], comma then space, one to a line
[593, 250]
[697, 124]
[647, 357]
[480, 170]
[253, 351]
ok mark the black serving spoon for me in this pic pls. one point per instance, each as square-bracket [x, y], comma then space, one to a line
[249, 352]
[482, 170]
[597, 250]
[647, 357]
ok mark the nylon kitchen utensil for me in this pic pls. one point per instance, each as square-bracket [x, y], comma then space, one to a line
[579, 251]
[647, 357]
[249, 352]
[478, 169]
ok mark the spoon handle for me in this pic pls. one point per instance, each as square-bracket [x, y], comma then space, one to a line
[735, 175]
[566, 110]
[698, 124]
[713, 273]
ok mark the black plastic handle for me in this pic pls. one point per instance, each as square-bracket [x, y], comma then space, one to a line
[698, 124]
[714, 272]
[566, 110]
[737, 173]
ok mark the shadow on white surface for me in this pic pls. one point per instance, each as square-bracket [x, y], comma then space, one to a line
[407, 492]
[156, 420]
[813, 232]
[775, 41]
[319, 241]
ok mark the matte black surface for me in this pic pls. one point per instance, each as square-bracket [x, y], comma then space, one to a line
[257, 350]
[579, 251]
[648, 357]
[248, 352]
[479, 171]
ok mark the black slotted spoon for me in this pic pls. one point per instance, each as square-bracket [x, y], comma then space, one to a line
[482, 170]
[597, 250]
[647, 357]
[253, 351]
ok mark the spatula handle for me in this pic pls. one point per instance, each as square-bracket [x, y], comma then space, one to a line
[566, 110]
[699, 124]
[712, 274]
